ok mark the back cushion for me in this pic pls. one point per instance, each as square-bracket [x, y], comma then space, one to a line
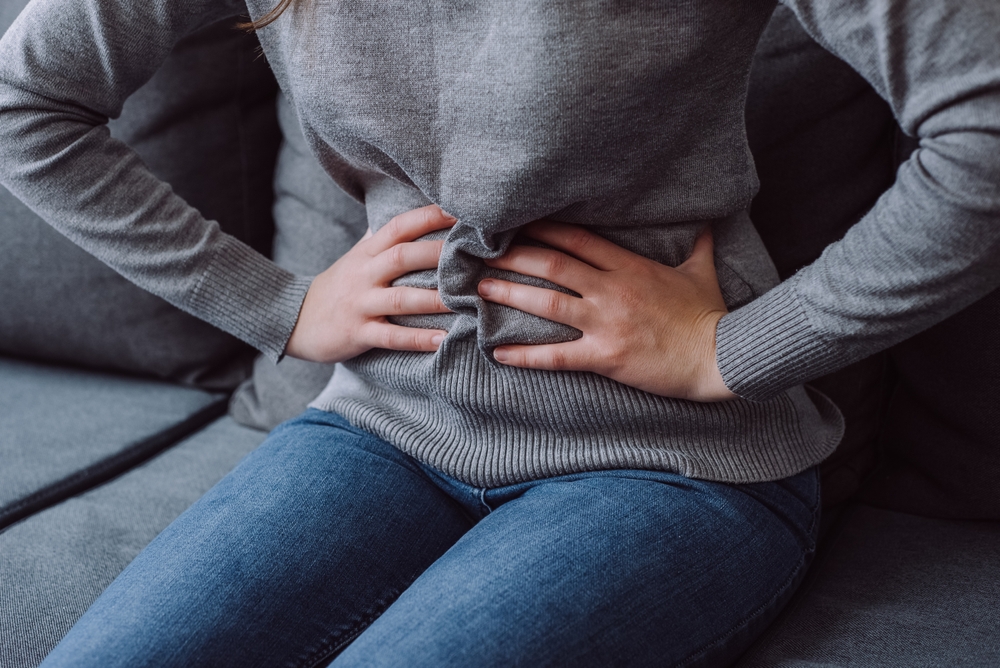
[942, 432]
[823, 144]
[942, 436]
[206, 124]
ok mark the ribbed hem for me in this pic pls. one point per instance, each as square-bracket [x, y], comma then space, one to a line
[490, 426]
[769, 346]
[250, 297]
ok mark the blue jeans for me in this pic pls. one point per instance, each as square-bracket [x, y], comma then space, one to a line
[327, 543]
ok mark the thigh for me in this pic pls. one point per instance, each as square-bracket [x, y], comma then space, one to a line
[607, 570]
[282, 563]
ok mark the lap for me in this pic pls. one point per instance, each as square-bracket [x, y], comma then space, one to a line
[615, 568]
[283, 562]
[327, 537]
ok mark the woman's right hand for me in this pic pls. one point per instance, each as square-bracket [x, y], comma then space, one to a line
[345, 310]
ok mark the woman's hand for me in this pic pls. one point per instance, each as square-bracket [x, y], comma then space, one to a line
[344, 312]
[644, 324]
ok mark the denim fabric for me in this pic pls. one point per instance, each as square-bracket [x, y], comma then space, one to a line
[328, 543]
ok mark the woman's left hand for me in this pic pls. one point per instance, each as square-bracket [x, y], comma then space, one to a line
[644, 324]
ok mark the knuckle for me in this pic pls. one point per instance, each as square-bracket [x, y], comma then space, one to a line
[556, 264]
[394, 228]
[397, 257]
[558, 360]
[396, 301]
[386, 338]
[580, 239]
[553, 305]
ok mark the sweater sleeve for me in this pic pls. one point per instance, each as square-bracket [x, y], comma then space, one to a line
[66, 67]
[931, 244]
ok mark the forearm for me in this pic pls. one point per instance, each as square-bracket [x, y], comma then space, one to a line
[65, 68]
[931, 245]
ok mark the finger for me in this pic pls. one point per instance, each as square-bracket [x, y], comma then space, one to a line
[397, 337]
[702, 258]
[580, 243]
[544, 303]
[409, 226]
[403, 258]
[549, 264]
[407, 301]
[571, 356]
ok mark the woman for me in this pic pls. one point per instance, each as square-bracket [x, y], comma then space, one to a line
[534, 454]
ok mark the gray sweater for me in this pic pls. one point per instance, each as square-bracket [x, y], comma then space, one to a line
[624, 117]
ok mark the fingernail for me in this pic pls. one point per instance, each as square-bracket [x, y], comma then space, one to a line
[437, 339]
[500, 355]
[448, 216]
[486, 288]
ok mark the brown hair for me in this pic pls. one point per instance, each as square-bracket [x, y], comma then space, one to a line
[268, 18]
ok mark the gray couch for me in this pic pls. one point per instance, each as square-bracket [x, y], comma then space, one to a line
[100, 450]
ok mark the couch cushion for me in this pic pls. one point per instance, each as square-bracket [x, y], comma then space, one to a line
[942, 435]
[56, 563]
[822, 139]
[64, 430]
[315, 223]
[890, 589]
[206, 124]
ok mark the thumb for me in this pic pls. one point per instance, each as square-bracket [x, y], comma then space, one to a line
[701, 262]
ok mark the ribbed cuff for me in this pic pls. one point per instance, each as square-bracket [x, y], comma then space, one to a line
[769, 346]
[250, 297]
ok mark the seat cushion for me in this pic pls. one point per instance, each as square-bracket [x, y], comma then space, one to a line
[56, 563]
[65, 430]
[206, 124]
[890, 589]
[942, 434]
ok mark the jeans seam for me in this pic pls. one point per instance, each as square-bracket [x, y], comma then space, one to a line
[793, 576]
[700, 653]
[482, 501]
[336, 641]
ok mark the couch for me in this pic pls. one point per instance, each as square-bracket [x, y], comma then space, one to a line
[117, 411]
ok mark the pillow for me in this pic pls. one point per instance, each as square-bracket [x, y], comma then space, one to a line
[823, 142]
[315, 223]
[206, 124]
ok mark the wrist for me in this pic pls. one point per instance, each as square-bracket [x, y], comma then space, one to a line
[710, 386]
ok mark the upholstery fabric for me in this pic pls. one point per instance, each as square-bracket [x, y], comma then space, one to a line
[895, 591]
[56, 422]
[942, 435]
[205, 124]
[55, 564]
